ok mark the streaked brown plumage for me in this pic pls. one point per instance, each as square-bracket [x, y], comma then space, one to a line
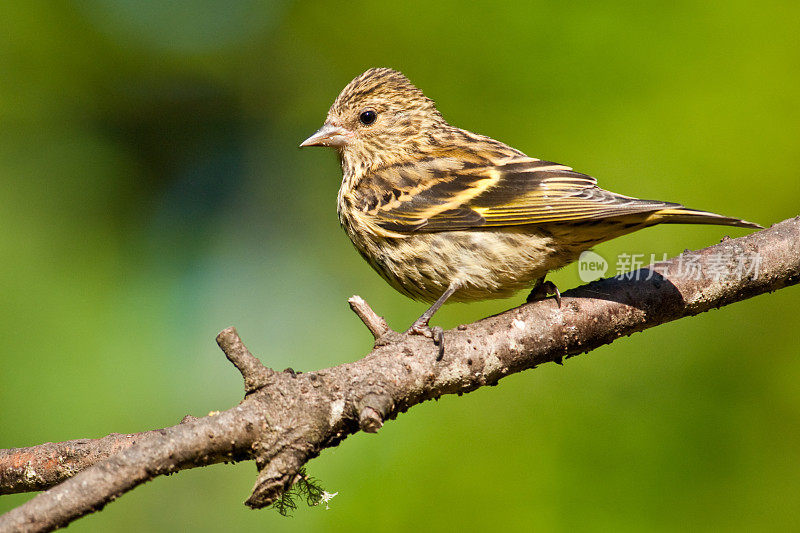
[442, 212]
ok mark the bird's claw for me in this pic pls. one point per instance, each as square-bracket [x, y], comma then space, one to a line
[432, 332]
[544, 290]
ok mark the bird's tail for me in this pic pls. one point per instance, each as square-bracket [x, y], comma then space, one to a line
[683, 215]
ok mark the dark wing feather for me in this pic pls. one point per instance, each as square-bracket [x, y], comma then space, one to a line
[524, 191]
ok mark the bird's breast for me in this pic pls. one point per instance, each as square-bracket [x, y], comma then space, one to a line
[490, 264]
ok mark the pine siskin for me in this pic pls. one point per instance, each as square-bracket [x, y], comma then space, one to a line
[442, 213]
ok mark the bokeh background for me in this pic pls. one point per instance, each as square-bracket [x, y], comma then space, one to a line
[152, 193]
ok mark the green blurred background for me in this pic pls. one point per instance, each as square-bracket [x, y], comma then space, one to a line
[152, 193]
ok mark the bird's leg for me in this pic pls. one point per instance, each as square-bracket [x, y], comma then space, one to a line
[542, 290]
[420, 325]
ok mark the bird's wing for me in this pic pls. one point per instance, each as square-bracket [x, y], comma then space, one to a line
[518, 192]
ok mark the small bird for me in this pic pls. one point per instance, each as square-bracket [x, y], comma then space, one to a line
[445, 214]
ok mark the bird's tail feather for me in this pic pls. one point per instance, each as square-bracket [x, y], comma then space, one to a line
[693, 216]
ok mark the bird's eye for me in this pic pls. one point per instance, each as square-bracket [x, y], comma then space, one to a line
[367, 117]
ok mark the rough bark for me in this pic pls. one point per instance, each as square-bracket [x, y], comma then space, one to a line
[286, 419]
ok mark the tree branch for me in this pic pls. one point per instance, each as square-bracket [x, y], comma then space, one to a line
[255, 374]
[375, 324]
[285, 419]
[43, 466]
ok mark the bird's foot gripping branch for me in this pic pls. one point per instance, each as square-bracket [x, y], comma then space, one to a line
[286, 419]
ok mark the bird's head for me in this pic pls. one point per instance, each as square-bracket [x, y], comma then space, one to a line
[378, 117]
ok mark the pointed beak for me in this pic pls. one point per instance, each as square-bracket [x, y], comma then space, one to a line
[328, 135]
